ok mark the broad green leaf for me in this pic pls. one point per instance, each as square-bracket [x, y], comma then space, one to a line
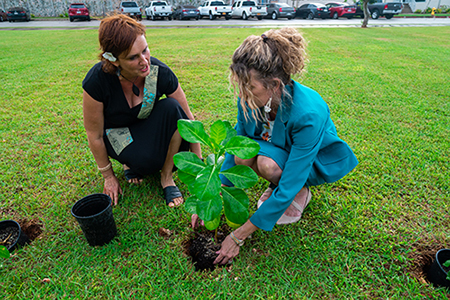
[235, 202]
[242, 146]
[233, 225]
[211, 159]
[4, 252]
[188, 162]
[241, 176]
[210, 209]
[218, 132]
[193, 131]
[446, 264]
[231, 132]
[187, 179]
[207, 183]
[212, 225]
[191, 205]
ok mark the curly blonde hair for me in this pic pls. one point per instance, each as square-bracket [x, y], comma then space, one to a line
[276, 54]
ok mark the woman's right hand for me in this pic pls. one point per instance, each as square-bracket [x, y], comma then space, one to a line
[112, 188]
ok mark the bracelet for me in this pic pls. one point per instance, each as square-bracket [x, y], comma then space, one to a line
[236, 240]
[104, 169]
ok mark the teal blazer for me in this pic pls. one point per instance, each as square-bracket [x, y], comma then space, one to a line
[316, 154]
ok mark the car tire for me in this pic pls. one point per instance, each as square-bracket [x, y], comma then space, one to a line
[89, 19]
[169, 18]
[211, 16]
[274, 16]
[375, 14]
[244, 16]
[227, 17]
[335, 15]
[389, 16]
[310, 16]
[289, 18]
[153, 18]
[349, 18]
[1, 18]
[71, 19]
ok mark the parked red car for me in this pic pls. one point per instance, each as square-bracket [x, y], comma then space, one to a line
[340, 9]
[78, 11]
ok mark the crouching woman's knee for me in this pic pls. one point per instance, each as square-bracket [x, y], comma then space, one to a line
[269, 169]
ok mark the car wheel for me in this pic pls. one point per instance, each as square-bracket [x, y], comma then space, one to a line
[310, 16]
[244, 16]
[389, 16]
[153, 18]
[274, 16]
[227, 17]
[335, 15]
[71, 19]
[1, 19]
[375, 14]
[170, 18]
[349, 18]
[180, 17]
[211, 17]
[289, 18]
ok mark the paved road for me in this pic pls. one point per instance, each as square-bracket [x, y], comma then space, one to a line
[382, 22]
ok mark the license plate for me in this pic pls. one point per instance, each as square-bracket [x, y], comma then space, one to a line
[258, 14]
[78, 12]
[223, 13]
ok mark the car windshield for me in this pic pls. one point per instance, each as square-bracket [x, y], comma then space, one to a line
[77, 6]
[217, 3]
[248, 3]
[129, 4]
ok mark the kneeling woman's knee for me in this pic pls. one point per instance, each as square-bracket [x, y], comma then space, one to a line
[268, 167]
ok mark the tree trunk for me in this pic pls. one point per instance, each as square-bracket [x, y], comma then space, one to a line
[366, 14]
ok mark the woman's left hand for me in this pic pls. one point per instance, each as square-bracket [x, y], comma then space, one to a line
[228, 250]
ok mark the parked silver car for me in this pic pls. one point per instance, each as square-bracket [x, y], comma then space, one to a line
[280, 10]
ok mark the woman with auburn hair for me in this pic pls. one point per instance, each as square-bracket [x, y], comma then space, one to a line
[124, 117]
[299, 144]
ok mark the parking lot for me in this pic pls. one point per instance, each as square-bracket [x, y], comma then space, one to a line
[342, 22]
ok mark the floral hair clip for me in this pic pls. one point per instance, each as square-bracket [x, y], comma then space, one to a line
[109, 56]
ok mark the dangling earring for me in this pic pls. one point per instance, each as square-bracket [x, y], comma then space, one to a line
[267, 108]
[118, 72]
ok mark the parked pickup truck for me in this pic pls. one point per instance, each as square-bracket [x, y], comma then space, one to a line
[246, 9]
[131, 9]
[214, 9]
[380, 9]
[158, 9]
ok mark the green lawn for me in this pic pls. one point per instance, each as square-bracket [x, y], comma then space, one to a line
[388, 91]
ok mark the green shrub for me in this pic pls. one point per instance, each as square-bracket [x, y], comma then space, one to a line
[428, 10]
[418, 11]
[439, 11]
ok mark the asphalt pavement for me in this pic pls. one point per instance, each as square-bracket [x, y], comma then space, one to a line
[205, 23]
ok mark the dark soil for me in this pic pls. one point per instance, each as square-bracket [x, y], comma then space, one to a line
[32, 228]
[8, 236]
[202, 248]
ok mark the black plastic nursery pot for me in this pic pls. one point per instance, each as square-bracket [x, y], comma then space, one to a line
[12, 236]
[94, 214]
[437, 274]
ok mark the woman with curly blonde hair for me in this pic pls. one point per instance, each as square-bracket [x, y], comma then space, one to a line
[299, 143]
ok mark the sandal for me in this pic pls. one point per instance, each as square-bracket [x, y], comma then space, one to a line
[287, 219]
[130, 174]
[170, 193]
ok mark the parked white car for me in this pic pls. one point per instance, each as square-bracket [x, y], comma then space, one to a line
[158, 9]
[248, 9]
[131, 9]
[215, 9]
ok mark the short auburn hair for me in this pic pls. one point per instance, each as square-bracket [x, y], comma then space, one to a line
[116, 35]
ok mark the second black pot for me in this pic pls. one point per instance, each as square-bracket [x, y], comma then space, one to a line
[94, 214]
